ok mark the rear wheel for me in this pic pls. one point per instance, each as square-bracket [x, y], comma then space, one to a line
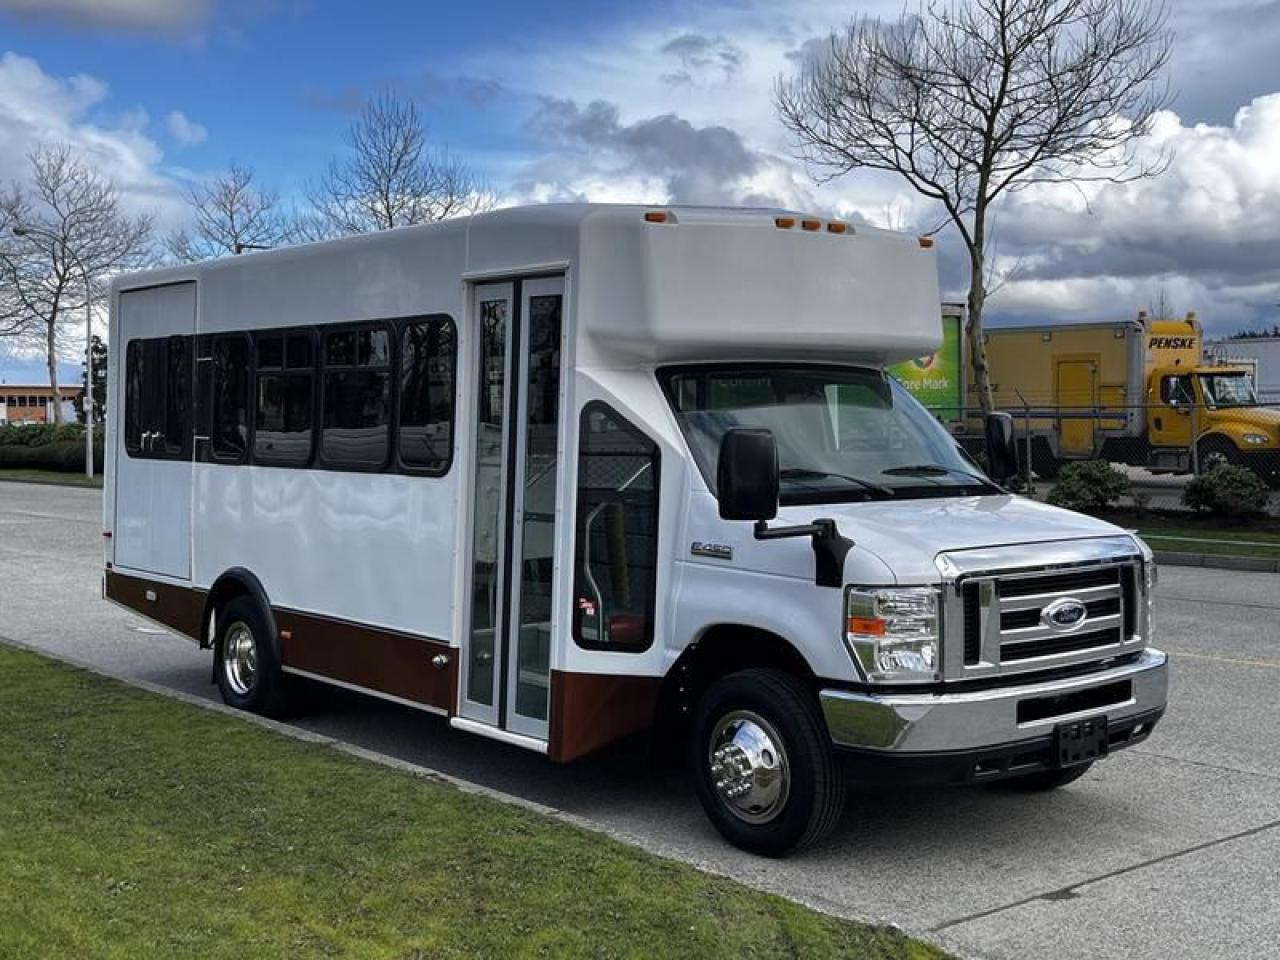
[245, 663]
[763, 764]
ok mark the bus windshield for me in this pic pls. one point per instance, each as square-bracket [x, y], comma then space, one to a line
[843, 433]
[1228, 390]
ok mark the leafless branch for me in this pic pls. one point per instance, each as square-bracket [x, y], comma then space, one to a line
[231, 213]
[970, 100]
[392, 177]
[74, 238]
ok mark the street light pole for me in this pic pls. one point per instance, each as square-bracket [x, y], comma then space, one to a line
[87, 401]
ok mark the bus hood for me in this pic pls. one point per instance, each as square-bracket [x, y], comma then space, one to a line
[907, 535]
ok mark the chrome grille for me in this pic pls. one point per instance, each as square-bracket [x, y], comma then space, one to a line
[1000, 620]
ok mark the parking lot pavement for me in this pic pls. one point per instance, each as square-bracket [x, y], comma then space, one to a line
[1167, 850]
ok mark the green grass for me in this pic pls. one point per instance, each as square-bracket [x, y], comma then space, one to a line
[136, 826]
[1232, 543]
[50, 476]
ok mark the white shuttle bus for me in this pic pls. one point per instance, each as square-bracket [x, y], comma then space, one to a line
[566, 473]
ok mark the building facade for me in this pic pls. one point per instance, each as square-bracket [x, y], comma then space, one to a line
[25, 403]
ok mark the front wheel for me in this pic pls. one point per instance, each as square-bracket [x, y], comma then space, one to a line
[763, 764]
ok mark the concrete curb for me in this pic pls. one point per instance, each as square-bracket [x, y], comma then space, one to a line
[1176, 558]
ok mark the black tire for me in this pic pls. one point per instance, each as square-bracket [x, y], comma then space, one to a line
[264, 688]
[808, 807]
[1045, 780]
[1214, 450]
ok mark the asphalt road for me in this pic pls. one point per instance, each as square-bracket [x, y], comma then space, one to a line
[1168, 850]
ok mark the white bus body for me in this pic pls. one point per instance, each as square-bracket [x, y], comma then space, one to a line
[472, 467]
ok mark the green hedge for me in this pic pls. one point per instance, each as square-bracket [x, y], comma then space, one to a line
[46, 447]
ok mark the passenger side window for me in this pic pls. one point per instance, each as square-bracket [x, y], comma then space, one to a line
[357, 397]
[157, 404]
[428, 360]
[229, 437]
[283, 420]
[615, 583]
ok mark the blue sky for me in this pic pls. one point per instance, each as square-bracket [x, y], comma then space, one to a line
[640, 101]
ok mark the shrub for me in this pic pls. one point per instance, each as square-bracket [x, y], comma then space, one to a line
[1228, 491]
[1088, 485]
[39, 434]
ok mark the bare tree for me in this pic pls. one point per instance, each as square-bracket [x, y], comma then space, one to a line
[66, 236]
[231, 214]
[392, 177]
[971, 100]
[12, 318]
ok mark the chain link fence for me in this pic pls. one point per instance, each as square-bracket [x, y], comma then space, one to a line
[1151, 440]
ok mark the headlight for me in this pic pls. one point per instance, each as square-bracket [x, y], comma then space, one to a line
[893, 633]
[1256, 438]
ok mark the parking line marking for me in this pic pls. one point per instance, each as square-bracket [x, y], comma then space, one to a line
[1235, 660]
[1069, 892]
[1164, 597]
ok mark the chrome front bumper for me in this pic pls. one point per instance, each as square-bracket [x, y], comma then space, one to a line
[927, 723]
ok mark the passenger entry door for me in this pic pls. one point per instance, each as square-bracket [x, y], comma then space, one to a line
[516, 469]
[153, 403]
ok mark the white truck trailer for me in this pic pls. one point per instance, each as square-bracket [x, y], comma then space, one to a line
[565, 473]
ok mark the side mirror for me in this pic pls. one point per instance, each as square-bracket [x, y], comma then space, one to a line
[747, 477]
[1002, 451]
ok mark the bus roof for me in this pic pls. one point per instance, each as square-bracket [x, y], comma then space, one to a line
[648, 284]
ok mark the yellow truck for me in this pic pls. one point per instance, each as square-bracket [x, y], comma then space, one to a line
[1132, 391]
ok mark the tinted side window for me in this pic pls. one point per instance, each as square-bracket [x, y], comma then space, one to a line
[133, 396]
[357, 398]
[283, 425]
[177, 394]
[229, 435]
[428, 359]
[157, 401]
[615, 582]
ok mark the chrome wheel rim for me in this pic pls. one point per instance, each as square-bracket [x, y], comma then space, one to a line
[240, 659]
[749, 767]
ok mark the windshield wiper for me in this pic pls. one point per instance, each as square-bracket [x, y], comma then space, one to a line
[799, 473]
[936, 470]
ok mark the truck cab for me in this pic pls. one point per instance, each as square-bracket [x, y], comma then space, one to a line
[1216, 408]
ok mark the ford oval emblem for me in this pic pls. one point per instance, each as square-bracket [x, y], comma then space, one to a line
[1065, 614]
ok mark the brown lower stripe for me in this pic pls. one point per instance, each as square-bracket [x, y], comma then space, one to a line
[380, 660]
[591, 710]
[178, 607]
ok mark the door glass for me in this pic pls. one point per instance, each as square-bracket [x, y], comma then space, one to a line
[488, 499]
[537, 540]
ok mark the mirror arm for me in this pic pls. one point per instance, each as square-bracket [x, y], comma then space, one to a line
[829, 547]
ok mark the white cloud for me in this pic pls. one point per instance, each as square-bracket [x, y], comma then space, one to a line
[679, 108]
[155, 15]
[185, 130]
[39, 108]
